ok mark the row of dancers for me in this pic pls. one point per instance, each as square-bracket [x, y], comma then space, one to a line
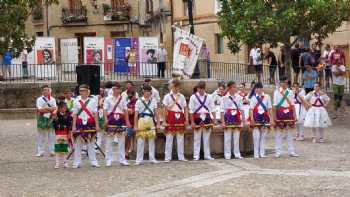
[74, 123]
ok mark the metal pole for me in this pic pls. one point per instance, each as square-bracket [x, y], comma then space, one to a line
[196, 73]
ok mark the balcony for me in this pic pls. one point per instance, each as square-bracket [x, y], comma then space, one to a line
[121, 13]
[72, 16]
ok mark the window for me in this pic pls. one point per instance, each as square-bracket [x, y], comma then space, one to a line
[149, 6]
[117, 3]
[219, 43]
[185, 6]
[75, 4]
[217, 7]
[39, 34]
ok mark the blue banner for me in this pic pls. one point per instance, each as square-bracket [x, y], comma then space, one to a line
[120, 64]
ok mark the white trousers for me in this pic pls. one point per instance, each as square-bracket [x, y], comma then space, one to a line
[228, 134]
[279, 135]
[41, 135]
[99, 138]
[300, 128]
[78, 144]
[61, 158]
[197, 134]
[109, 148]
[259, 136]
[169, 146]
[141, 150]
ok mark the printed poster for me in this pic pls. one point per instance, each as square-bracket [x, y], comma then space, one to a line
[148, 48]
[108, 59]
[94, 51]
[45, 57]
[126, 55]
[69, 54]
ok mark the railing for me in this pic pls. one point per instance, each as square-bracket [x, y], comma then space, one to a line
[74, 15]
[60, 73]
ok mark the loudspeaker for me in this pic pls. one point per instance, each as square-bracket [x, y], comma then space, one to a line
[89, 74]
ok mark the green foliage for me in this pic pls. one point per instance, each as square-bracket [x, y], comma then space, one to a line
[280, 21]
[13, 14]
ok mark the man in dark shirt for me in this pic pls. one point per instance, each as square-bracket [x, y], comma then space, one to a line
[295, 56]
[272, 61]
[316, 55]
[306, 59]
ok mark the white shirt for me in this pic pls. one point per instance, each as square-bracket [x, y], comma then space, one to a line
[41, 104]
[162, 55]
[338, 80]
[227, 103]
[256, 55]
[180, 98]
[301, 94]
[277, 97]
[312, 98]
[111, 101]
[215, 96]
[91, 106]
[194, 104]
[140, 107]
[266, 101]
[155, 95]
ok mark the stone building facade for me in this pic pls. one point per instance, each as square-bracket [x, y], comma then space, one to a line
[105, 18]
[125, 18]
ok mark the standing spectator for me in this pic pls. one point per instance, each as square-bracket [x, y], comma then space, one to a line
[295, 56]
[316, 55]
[162, 59]
[272, 61]
[282, 62]
[306, 59]
[338, 54]
[338, 71]
[6, 63]
[328, 70]
[204, 57]
[309, 78]
[256, 60]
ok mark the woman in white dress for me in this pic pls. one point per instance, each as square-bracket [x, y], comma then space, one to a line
[317, 116]
[300, 110]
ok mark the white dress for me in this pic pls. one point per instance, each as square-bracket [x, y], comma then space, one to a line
[300, 110]
[317, 115]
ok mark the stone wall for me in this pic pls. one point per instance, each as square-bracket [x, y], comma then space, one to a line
[13, 96]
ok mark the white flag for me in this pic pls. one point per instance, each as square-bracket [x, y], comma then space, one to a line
[186, 51]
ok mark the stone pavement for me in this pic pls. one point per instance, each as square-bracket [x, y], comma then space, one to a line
[321, 170]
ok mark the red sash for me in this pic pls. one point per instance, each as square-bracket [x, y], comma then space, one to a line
[115, 106]
[86, 110]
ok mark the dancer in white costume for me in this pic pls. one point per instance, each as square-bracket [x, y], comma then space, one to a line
[116, 122]
[300, 110]
[232, 118]
[317, 116]
[217, 97]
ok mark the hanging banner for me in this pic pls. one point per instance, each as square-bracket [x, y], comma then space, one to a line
[69, 54]
[45, 57]
[108, 59]
[93, 51]
[186, 51]
[148, 48]
[120, 62]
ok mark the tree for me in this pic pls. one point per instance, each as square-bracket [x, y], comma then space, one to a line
[13, 14]
[250, 22]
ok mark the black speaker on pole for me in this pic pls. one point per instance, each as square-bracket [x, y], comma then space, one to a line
[89, 74]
